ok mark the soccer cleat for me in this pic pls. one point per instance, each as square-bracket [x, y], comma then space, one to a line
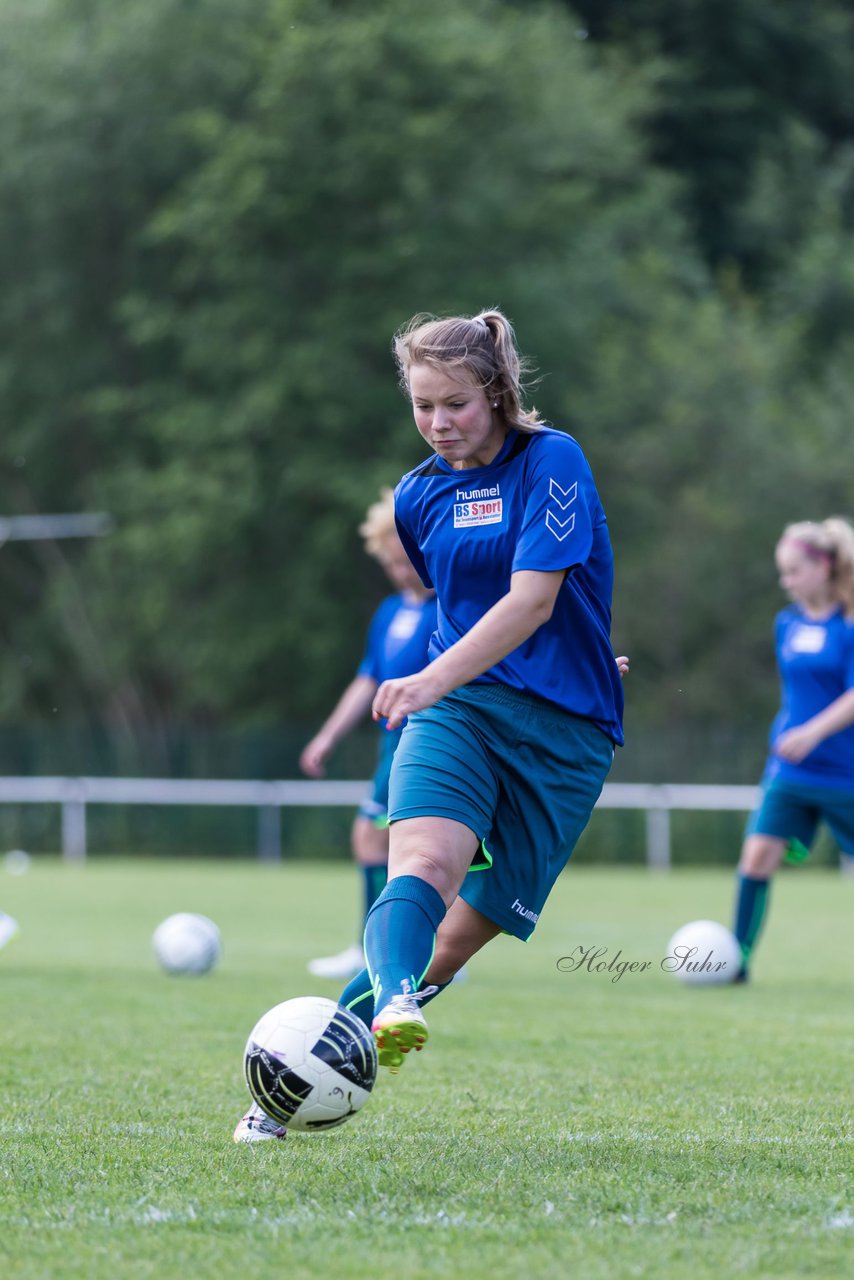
[256, 1126]
[8, 928]
[346, 964]
[399, 1027]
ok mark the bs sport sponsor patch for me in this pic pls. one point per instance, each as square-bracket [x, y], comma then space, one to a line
[478, 506]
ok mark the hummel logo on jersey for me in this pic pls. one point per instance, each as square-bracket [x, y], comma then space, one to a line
[563, 497]
[560, 528]
[557, 525]
[478, 506]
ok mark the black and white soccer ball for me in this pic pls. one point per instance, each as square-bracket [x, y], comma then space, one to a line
[310, 1063]
[187, 943]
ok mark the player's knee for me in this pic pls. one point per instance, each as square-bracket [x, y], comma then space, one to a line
[761, 855]
[431, 865]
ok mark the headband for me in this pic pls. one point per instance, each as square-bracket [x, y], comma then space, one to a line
[811, 552]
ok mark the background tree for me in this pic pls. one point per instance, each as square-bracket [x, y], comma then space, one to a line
[214, 216]
[755, 110]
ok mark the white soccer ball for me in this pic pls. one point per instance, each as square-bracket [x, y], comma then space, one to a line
[187, 943]
[17, 862]
[703, 953]
[310, 1063]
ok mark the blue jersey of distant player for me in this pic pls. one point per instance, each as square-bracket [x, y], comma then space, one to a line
[535, 506]
[816, 664]
[398, 638]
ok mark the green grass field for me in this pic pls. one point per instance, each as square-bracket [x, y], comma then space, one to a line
[558, 1123]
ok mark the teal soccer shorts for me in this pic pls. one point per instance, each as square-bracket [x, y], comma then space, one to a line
[522, 774]
[792, 812]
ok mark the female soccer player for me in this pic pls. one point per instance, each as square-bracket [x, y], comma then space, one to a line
[511, 727]
[397, 645]
[809, 775]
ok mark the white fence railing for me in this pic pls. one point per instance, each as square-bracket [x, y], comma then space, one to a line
[269, 798]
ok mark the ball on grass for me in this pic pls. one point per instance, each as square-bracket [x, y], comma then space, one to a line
[187, 943]
[310, 1064]
[17, 862]
[703, 953]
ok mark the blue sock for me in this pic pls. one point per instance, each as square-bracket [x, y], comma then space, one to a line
[358, 996]
[750, 909]
[374, 876]
[400, 936]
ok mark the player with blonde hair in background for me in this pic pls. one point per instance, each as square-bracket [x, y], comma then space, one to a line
[809, 774]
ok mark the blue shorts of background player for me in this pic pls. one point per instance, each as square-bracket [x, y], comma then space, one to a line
[792, 812]
[374, 807]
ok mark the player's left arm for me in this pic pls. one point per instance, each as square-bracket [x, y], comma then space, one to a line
[510, 622]
[797, 743]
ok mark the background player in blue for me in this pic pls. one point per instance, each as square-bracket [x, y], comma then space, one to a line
[809, 775]
[512, 725]
[396, 645]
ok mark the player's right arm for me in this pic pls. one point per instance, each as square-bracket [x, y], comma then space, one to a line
[506, 625]
[353, 705]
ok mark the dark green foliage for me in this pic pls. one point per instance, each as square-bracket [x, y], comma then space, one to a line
[758, 94]
[212, 218]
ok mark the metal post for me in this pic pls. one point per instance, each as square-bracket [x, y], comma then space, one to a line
[270, 833]
[74, 830]
[658, 839]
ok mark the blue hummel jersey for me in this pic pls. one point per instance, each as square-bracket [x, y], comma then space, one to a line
[816, 664]
[398, 638]
[534, 507]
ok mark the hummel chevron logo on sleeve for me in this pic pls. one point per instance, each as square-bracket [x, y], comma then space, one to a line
[563, 497]
[553, 524]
